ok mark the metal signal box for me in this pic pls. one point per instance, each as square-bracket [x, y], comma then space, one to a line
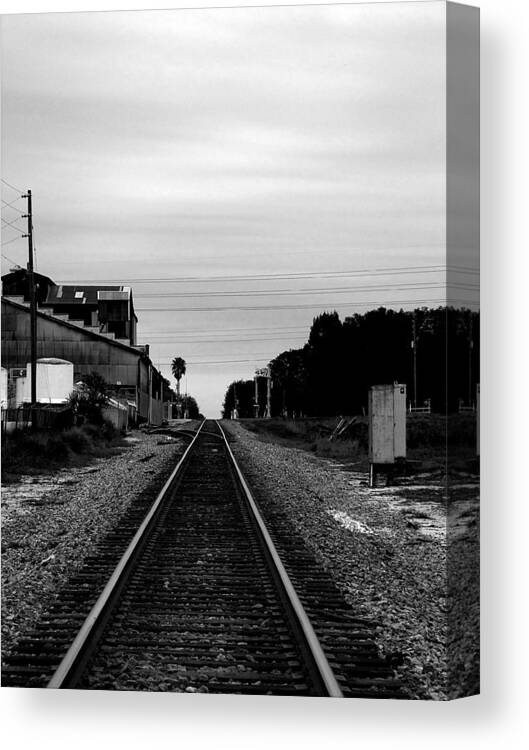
[387, 423]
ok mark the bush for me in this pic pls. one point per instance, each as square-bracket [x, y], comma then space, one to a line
[108, 431]
[93, 432]
[433, 430]
[57, 448]
[78, 439]
[34, 452]
[88, 400]
[426, 435]
[38, 447]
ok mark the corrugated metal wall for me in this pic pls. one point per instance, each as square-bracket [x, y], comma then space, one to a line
[116, 364]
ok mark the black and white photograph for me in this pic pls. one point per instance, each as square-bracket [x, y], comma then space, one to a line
[240, 341]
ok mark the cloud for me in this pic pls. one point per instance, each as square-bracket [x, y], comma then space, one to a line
[241, 139]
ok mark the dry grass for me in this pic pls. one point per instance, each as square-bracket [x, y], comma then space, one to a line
[26, 452]
[428, 437]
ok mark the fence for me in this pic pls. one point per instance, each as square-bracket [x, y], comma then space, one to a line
[51, 417]
[43, 417]
[425, 409]
[18, 418]
[117, 413]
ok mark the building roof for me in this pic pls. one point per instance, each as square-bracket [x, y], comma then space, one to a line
[16, 282]
[44, 313]
[81, 294]
[21, 273]
[52, 294]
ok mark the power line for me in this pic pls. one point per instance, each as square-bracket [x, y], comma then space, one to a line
[11, 260]
[185, 334]
[289, 292]
[285, 275]
[385, 271]
[225, 330]
[289, 251]
[12, 224]
[10, 205]
[297, 292]
[207, 358]
[222, 361]
[316, 305]
[171, 342]
[17, 190]
[228, 337]
[11, 240]
[227, 334]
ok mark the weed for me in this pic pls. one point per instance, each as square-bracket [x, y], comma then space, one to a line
[428, 437]
[78, 440]
[42, 452]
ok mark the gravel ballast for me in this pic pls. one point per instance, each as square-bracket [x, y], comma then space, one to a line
[50, 524]
[385, 548]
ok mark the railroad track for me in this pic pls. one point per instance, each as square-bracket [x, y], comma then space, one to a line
[206, 598]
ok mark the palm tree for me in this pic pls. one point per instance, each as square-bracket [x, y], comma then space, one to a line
[178, 368]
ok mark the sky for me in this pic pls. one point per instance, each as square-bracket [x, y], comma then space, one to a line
[241, 169]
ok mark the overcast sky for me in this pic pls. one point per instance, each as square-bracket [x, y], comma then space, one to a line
[162, 146]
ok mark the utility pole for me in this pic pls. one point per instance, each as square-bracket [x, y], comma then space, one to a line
[32, 303]
[414, 347]
[264, 372]
[256, 398]
[235, 411]
[470, 347]
[268, 394]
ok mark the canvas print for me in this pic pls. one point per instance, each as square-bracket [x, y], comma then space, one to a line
[240, 351]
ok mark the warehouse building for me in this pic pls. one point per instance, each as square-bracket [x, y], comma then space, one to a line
[95, 331]
[104, 308]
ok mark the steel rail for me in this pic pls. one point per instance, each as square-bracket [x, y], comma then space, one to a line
[76, 655]
[312, 642]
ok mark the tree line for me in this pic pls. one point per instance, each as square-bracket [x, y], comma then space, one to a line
[435, 352]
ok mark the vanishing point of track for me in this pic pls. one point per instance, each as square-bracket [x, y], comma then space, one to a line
[201, 601]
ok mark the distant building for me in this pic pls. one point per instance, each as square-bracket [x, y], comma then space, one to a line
[102, 307]
[93, 327]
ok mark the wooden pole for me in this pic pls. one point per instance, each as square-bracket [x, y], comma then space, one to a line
[32, 302]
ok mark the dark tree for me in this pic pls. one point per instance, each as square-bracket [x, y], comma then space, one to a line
[290, 384]
[187, 407]
[243, 391]
[434, 350]
[178, 368]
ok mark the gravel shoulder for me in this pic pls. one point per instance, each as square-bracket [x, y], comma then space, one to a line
[385, 548]
[51, 524]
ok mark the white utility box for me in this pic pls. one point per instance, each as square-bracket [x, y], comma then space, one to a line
[478, 421]
[387, 423]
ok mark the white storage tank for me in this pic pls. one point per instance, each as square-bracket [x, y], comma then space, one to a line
[54, 381]
[3, 388]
